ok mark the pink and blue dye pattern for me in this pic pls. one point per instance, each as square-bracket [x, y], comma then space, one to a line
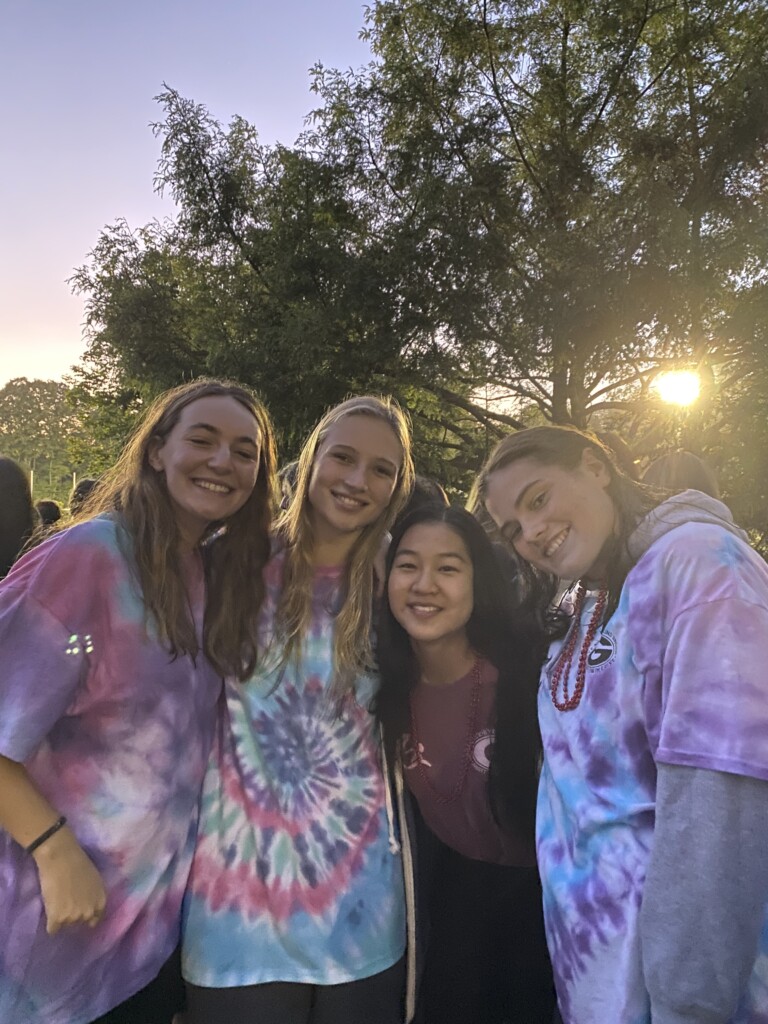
[116, 734]
[294, 878]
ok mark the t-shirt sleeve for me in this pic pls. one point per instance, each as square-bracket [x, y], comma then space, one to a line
[43, 660]
[714, 675]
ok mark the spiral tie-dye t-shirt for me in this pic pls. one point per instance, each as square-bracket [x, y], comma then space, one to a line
[294, 878]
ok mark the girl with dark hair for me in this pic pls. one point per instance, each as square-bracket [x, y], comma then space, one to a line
[296, 910]
[114, 635]
[652, 819]
[458, 709]
[682, 471]
[17, 513]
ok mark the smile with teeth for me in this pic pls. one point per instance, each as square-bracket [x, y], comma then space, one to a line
[209, 485]
[553, 545]
[348, 501]
[423, 609]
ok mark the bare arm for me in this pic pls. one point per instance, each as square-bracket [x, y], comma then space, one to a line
[71, 887]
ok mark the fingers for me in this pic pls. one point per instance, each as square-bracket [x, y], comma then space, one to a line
[54, 925]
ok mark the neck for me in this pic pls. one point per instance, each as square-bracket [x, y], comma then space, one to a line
[332, 550]
[442, 662]
[187, 545]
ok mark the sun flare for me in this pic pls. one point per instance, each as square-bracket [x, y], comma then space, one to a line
[678, 387]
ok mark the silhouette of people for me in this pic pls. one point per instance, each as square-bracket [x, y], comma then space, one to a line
[17, 513]
[681, 471]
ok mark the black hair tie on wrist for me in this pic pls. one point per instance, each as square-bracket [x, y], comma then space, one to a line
[46, 835]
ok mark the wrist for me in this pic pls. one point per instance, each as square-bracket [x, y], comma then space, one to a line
[54, 846]
[46, 835]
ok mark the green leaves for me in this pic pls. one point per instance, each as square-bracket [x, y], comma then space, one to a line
[548, 197]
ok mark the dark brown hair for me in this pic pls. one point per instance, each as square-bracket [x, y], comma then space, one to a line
[681, 471]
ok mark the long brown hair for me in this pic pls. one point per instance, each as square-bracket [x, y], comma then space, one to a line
[234, 559]
[352, 651]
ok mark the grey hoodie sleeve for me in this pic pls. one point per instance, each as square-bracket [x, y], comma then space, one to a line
[705, 894]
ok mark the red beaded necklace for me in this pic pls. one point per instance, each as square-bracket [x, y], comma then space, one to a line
[562, 669]
[474, 706]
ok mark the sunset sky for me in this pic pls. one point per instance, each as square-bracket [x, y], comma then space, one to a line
[79, 80]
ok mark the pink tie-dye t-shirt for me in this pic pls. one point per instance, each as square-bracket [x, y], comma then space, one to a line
[116, 734]
[295, 877]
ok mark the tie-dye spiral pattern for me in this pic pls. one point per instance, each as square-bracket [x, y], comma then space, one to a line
[676, 676]
[116, 734]
[293, 876]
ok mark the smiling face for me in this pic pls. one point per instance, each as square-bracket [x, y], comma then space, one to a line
[560, 520]
[353, 477]
[210, 460]
[430, 585]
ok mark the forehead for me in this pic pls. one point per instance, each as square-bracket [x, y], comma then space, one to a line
[433, 539]
[223, 413]
[371, 436]
[506, 486]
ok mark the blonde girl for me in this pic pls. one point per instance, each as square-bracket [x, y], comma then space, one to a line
[295, 913]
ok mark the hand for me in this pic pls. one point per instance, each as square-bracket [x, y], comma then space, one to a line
[71, 887]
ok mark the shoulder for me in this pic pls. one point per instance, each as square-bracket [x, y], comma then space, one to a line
[77, 561]
[706, 546]
[699, 563]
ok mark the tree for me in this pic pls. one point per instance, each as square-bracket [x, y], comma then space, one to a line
[584, 183]
[36, 422]
[553, 198]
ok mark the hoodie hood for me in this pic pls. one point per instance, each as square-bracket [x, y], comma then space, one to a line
[680, 509]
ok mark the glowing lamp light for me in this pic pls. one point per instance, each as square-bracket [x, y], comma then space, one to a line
[678, 387]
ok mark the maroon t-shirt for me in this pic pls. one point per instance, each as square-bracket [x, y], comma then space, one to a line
[434, 765]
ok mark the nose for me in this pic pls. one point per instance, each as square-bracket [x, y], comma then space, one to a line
[424, 581]
[220, 458]
[531, 529]
[356, 477]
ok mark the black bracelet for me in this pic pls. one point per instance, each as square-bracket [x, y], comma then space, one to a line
[46, 835]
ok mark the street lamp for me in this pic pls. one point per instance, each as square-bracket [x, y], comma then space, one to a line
[678, 387]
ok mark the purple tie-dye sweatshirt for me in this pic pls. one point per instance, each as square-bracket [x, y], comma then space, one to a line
[676, 692]
[116, 734]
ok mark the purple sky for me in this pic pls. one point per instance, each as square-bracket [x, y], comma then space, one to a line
[78, 80]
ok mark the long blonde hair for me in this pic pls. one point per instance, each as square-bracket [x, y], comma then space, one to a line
[234, 561]
[352, 648]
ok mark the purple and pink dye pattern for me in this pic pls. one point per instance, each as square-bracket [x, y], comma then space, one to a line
[116, 734]
[678, 675]
[293, 876]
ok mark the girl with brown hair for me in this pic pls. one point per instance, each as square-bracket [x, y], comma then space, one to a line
[114, 636]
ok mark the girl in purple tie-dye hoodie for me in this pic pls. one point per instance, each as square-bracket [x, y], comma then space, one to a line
[652, 824]
[111, 672]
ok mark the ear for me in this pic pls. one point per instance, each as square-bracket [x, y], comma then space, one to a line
[153, 454]
[594, 467]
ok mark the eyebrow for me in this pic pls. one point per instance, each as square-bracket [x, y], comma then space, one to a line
[442, 554]
[214, 430]
[521, 496]
[378, 458]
